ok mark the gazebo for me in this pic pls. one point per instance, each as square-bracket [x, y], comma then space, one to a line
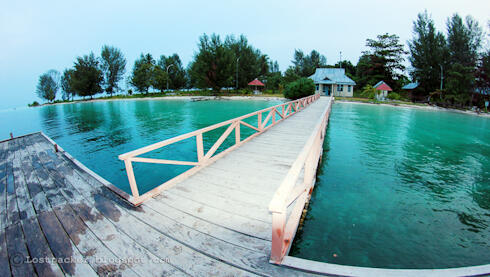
[256, 83]
[382, 90]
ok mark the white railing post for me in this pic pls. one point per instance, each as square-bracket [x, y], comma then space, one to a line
[278, 226]
[237, 133]
[200, 147]
[259, 121]
[132, 180]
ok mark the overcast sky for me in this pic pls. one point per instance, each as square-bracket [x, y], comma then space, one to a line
[40, 35]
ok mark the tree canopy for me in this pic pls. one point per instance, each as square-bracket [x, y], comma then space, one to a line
[249, 62]
[177, 78]
[66, 85]
[213, 64]
[113, 66]
[143, 73]
[383, 61]
[427, 53]
[305, 65]
[48, 85]
[87, 77]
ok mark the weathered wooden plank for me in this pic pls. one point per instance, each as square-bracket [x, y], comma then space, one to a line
[24, 204]
[67, 255]
[12, 209]
[4, 258]
[17, 251]
[228, 220]
[253, 184]
[36, 191]
[235, 254]
[201, 196]
[3, 186]
[208, 186]
[104, 261]
[128, 251]
[39, 249]
[167, 249]
[233, 184]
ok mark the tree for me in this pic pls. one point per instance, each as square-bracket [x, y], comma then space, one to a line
[48, 85]
[113, 66]
[66, 85]
[299, 88]
[86, 78]
[159, 78]
[428, 54]
[249, 62]
[177, 78]
[143, 71]
[350, 69]
[369, 70]
[483, 72]
[387, 54]
[459, 84]
[290, 75]
[273, 80]
[305, 65]
[383, 61]
[463, 42]
[213, 64]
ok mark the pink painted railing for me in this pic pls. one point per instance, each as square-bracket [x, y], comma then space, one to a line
[283, 226]
[284, 111]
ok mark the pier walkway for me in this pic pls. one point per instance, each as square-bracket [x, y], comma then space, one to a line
[216, 222]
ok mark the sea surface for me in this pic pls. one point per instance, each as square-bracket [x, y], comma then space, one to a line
[400, 188]
[95, 133]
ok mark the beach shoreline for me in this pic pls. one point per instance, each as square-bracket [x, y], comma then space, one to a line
[423, 107]
[172, 97]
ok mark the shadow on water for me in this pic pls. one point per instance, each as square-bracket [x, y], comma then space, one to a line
[116, 130]
[83, 118]
[51, 120]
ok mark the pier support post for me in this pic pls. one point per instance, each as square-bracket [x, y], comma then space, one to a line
[278, 224]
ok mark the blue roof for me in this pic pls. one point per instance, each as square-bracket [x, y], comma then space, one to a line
[331, 76]
[411, 86]
[484, 91]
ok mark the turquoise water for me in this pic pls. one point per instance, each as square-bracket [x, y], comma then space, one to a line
[400, 188]
[96, 133]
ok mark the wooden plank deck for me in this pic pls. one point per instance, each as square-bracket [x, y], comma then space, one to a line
[215, 223]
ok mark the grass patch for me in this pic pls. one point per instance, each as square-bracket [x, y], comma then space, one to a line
[374, 101]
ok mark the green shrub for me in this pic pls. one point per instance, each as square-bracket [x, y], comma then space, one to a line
[34, 104]
[130, 91]
[393, 96]
[368, 92]
[299, 88]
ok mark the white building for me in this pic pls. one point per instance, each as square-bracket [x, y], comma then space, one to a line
[333, 81]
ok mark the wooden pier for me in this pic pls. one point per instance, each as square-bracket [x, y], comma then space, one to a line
[58, 218]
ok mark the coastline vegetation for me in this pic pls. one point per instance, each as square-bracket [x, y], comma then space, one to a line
[451, 69]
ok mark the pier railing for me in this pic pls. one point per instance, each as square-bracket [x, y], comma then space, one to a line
[296, 190]
[273, 114]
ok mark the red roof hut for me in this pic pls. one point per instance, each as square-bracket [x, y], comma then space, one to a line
[382, 89]
[256, 83]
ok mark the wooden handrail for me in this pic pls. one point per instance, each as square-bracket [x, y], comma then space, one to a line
[284, 228]
[284, 110]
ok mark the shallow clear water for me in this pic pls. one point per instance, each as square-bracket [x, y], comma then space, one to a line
[400, 188]
[96, 133]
